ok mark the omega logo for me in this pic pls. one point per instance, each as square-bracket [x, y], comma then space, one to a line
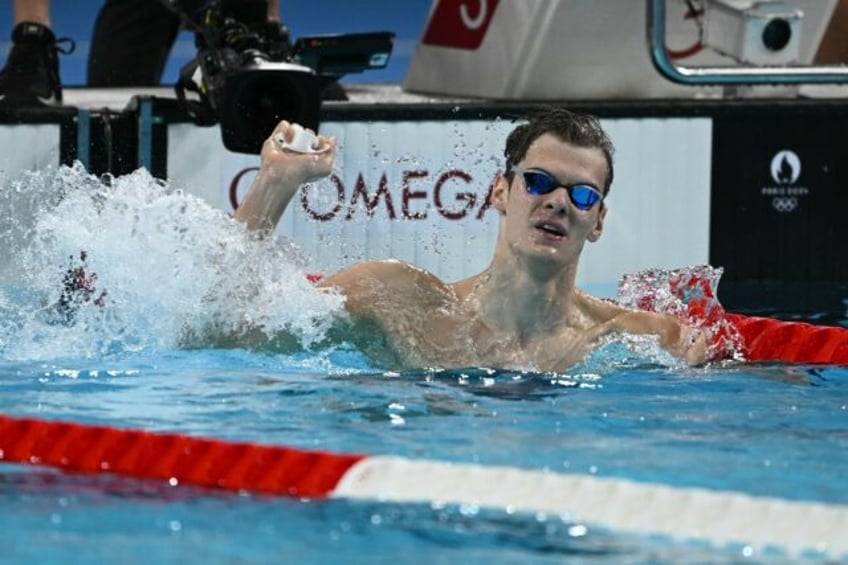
[417, 196]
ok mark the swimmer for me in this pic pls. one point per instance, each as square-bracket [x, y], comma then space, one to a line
[79, 286]
[523, 310]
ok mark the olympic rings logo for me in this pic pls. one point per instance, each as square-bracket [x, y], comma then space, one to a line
[784, 203]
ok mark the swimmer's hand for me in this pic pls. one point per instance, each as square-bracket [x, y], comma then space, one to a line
[687, 343]
[282, 172]
[298, 153]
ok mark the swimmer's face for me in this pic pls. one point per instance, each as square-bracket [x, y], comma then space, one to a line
[549, 225]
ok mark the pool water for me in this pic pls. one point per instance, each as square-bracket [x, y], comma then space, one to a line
[627, 412]
[771, 430]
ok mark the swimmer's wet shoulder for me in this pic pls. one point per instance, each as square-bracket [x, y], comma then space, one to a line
[412, 310]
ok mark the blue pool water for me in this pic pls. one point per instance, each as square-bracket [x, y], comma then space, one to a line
[742, 429]
[626, 412]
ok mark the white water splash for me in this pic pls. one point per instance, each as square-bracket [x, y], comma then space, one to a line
[689, 294]
[162, 263]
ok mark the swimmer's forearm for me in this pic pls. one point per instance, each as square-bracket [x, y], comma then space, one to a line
[682, 341]
[283, 170]
[266, 201]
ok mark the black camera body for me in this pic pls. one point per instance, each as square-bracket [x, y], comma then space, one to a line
[248, 78]
[249, 98]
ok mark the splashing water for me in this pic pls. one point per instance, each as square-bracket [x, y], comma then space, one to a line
[689, 294]
[147, 265]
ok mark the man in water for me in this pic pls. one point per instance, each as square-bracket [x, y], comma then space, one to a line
[524, 310]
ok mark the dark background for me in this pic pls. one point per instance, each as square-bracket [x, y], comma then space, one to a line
[791, 261]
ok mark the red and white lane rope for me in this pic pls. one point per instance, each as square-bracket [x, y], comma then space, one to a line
[625, 506]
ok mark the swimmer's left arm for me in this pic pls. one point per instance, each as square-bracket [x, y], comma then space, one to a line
[681, 340]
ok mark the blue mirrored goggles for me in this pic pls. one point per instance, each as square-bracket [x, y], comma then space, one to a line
[583, 196]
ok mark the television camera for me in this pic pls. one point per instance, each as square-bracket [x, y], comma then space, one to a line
[247, 76]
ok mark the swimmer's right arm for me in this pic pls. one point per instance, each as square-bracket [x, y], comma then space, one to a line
[280, 175]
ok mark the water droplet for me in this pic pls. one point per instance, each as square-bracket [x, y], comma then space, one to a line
[469, 509]
[578, 530]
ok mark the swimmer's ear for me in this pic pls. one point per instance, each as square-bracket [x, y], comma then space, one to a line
[595, 234]
[500, 192]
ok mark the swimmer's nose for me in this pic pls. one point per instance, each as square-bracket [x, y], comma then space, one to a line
[557, 201]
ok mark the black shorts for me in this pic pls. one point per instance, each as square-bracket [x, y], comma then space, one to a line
[132, 39]
[131, 43]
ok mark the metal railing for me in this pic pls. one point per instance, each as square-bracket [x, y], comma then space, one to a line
[725, 75]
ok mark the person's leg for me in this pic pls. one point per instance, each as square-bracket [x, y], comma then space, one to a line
[275, 32]
[36, 11]
[31, 74]
[130, 44]
[273, 12]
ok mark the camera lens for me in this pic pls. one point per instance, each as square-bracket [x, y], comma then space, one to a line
[254, 101]
[777, 34]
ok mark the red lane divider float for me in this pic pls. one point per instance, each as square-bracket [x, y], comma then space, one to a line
[766, 339]
[172, 457]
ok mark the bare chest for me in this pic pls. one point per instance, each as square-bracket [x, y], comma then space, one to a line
[447, 338]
